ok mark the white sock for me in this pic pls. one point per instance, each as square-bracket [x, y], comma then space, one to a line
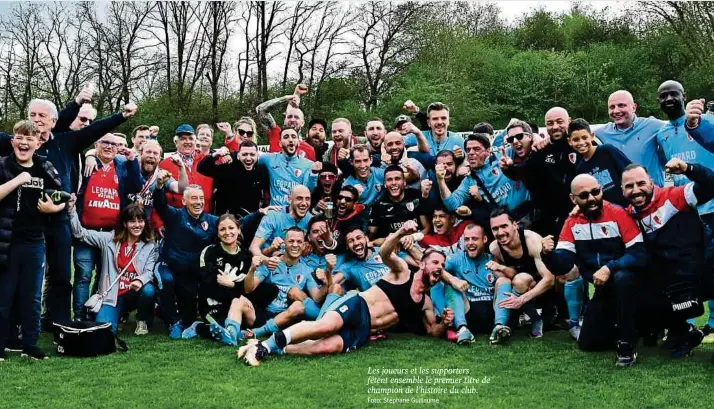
[288, 336]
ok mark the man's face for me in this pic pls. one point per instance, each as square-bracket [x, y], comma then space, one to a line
[442, 221]
[394, 145]
[621, 109]
[581, 141]
[556, 123]
[432, 267]
[289, 141]
[476, 154]
[194, 201]
[587, 195]
[205, 138]
[150, 157]
[637, 187]
[374, 132]
[83, 119]
[345, 203]
[314, 236]
[248, 156]
[186, 143]
[475, 241]
[361, 163]
[357, 244]
[395, 184]
[300, 201]
[316, 135]
[40, 115]
[504, 230]
[25, 146]
[294, 243]
[107, 147]
[293, 119]
[520, 140]
[139, 138]
[341, 132]
[449, 165]
[327, 180]
[438, 121]
[671, 101]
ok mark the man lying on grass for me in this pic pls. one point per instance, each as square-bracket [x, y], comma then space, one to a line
[400, 296]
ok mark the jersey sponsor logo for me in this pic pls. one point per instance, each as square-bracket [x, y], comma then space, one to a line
[219, 261]
[35, 183]
[686, 156]
[103, 204]
[204, 225]
[571, 157]
[550, 159]
[105, 192]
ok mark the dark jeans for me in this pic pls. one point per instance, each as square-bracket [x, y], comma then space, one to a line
[610, 316]
[22, 280]
[179, 294]
[57, 293]
[87, 259]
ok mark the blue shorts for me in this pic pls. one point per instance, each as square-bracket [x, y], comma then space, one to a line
[356, 321]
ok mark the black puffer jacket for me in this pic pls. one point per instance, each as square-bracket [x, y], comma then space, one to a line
[9, 169]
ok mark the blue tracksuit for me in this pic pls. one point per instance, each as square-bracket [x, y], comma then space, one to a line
[447, 144]
[638, 143]
[677, 143]
[286, 172]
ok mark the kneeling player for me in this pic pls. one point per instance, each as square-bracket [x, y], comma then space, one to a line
[400, 296]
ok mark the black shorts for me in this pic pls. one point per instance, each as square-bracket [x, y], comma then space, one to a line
[480, 317]
[356, 321]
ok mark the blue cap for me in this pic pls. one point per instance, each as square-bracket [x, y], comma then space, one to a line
[185, 128]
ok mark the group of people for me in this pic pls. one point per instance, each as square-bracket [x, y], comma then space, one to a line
[320, 247]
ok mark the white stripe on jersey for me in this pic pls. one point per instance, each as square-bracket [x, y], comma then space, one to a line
[594, 231]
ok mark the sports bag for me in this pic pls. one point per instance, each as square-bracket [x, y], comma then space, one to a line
[86, 338]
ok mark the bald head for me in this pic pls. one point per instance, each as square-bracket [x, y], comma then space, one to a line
[299, 200]
[586, 193]
[582, 182]
[621, 108]
[671, 97]
[671, 85]
[556, 122]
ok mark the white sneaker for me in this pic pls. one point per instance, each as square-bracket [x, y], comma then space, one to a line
[141, 328]
[575, 332]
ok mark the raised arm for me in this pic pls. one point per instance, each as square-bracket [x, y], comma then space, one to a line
[387, 250]
[264, 116]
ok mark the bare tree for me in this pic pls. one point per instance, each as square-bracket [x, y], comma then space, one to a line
[218, 29]
[301, 15]
[270, 19]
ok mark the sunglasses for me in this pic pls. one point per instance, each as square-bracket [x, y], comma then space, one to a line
[244, 133]
[585, 195]
[345, 198]
[83, 119]
[327, 176]
[517, 137]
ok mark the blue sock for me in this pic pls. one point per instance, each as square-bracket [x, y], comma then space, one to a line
[329, 299]
[574, 298]
[272, 346]
[311, 309]
[691, 321]
[270, 327]
[233, 327]
[455, 301]
[710, 321]
[502, 314]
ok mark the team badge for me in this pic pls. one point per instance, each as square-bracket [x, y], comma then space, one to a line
[604, 230]
[494, 171]
[689, 137]
[299, 278]
[301, 154]
[410, 206]
[489, 278]
[656, 220]
[572, 157]
[378, 188]
[297, 172]
[204, 225]
[378, 259]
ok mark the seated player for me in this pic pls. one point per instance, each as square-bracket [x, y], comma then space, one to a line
[363, 266]
[401, 296]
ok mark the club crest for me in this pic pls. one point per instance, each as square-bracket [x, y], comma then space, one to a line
[378, 188]
[689, 137]
[297, 172]
[204, 225]
[299, 278]
[490, 278]
[494, 171]
[572, 157]
[378, 259]
[410, 206]
[604, 230]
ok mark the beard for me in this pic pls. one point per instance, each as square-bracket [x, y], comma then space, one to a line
[593, 213]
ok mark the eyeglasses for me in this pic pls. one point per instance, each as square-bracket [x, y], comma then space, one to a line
[327, 176]
[243, 133]
[84, 119]
[585, 195]
[109, 143]
[518, 137]
[345, 198]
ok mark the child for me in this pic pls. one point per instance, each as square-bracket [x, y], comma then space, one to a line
[605, 162]
[23, 205]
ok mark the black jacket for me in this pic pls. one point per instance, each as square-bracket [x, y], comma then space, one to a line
[237, 191]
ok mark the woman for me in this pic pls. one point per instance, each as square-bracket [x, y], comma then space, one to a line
[245, 129]
[131, 243]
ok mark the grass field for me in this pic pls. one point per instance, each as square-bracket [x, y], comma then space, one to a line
[544, 373]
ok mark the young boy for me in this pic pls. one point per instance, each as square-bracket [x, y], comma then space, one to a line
[23, 204]
[605, 162]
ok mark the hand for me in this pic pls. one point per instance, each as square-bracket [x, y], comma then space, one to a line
[575, 211]
[512, 302]
[548, 244]
[85, 94]
[220, 152]
[225, 127]
[541, 143]
[408, 227]
[136, 285]
[410, 106]
[129, 110]
[224, 160]
[23, 178]
[162, 177]
[495, 266]
[320, 275]
[257, 261]
[321, 205]
[505, 162]
[601, 276]
[407, 242]
[271, 262]
[440, 171]
[343, 154]
[294, 101]
[425, 188]
[447, 316]
[694, 111]
[47, 206]
[463, 211]
[463, 170]
[277, 243]
[473, 191]
[331, 261]
[458, 152]
[324, 233]
[316, 167]
[360, 189]
[460, 285]
[266, 210]
[90, 166]
[72, 202]
[176, 160]
[676, 166]
[409, 127]
[301, 89]
[128, 153]
[225, 281]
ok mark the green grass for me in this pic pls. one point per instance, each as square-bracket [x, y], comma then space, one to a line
[549, 373]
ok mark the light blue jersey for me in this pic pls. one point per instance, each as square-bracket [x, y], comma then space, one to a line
[315, 261]
[481, 280]
[372, 187]
[276, 224]
[505, 192]
[451, 141]
[286, 277]
[638, 143]
[677, 143]
[286, 172]
[364, 274]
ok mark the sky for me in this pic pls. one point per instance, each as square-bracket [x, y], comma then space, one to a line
[512, 10]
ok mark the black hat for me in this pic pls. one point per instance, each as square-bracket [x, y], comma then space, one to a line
[329, 167]
[320, 121]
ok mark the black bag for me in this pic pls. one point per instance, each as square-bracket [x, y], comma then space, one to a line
[86, 338]
[684, 300]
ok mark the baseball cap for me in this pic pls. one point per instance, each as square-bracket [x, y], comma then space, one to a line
[320, 121]
[185, 128]
[401, 119]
